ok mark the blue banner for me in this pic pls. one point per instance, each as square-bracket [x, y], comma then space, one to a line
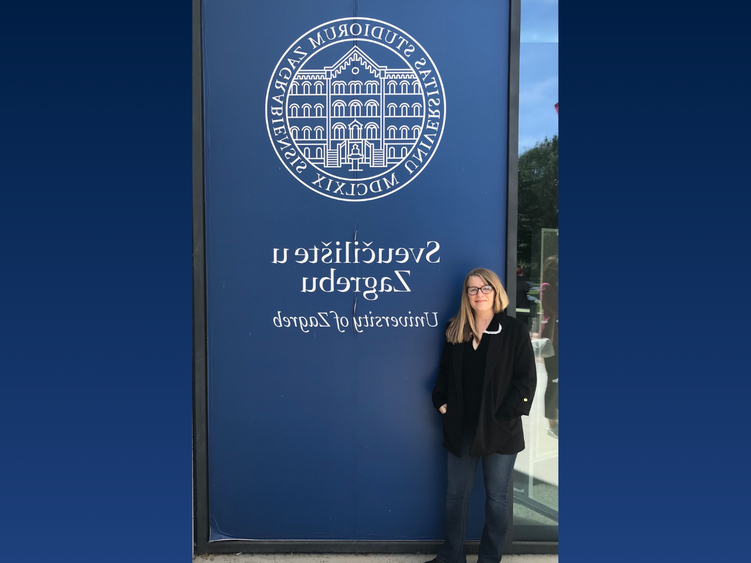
[355, 170]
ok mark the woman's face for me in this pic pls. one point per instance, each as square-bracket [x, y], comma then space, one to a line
[481, 302]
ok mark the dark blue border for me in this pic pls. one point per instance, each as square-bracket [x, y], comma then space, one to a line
[96, 280]
[653, 216]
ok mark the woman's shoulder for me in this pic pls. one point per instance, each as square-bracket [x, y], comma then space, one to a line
[514, 325]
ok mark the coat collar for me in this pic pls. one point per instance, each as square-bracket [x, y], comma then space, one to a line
[495, 325]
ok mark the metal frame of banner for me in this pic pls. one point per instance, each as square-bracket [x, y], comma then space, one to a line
[512, 156]
[200, 411]
[201, 543]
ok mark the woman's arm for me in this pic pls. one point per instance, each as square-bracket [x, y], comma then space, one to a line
[440, 394]
[518, 400]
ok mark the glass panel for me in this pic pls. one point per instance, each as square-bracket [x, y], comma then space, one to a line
[536, 471]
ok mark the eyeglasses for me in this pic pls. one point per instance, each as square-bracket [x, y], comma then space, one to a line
[485, 289]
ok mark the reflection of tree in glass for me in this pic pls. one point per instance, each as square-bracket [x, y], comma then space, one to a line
[538, 195]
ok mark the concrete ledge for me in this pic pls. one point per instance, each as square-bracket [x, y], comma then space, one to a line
[348, 558]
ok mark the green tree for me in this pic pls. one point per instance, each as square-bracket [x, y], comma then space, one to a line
[538, 196]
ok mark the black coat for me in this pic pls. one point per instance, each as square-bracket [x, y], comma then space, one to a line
[507, 392]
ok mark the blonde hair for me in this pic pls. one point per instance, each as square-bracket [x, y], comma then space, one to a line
[462, 327]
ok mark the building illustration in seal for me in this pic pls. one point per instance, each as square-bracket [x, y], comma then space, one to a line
[355, 115]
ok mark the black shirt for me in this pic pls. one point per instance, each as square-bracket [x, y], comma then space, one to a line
[473, 373]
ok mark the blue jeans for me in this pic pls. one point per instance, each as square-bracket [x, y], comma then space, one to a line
[497, 470]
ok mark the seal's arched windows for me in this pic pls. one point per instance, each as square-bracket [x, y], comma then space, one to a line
[355, 130]
[338, 131]
[405, 109]
[371, 87]
[319, 132]
[293, 88]
[405, 86]
[319, 110]
[391, 110]
[294, 131]
[338, 87]
[416, 109]
[404, 152]
[319, 87]
[371, 131]
[392, 152]
[306, 152]
[392, 87]
[306, 87]
[306, 132]
[306, 110]
[416, 86]
[371, 108]
[355, 87]
[293, 110]
[354, 108]
[319, 152]
[338, 108]
[404, 130]
[391, 132]
[415, 132]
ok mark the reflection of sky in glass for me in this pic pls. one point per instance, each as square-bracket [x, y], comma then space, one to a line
[539, 21]
[538, 72]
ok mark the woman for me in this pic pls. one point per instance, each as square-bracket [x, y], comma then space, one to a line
[485, 383]
[549, 300]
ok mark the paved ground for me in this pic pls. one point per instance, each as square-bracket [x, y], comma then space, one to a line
[330, 558]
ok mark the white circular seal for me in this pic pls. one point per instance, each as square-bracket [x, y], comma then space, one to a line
[355, 109]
